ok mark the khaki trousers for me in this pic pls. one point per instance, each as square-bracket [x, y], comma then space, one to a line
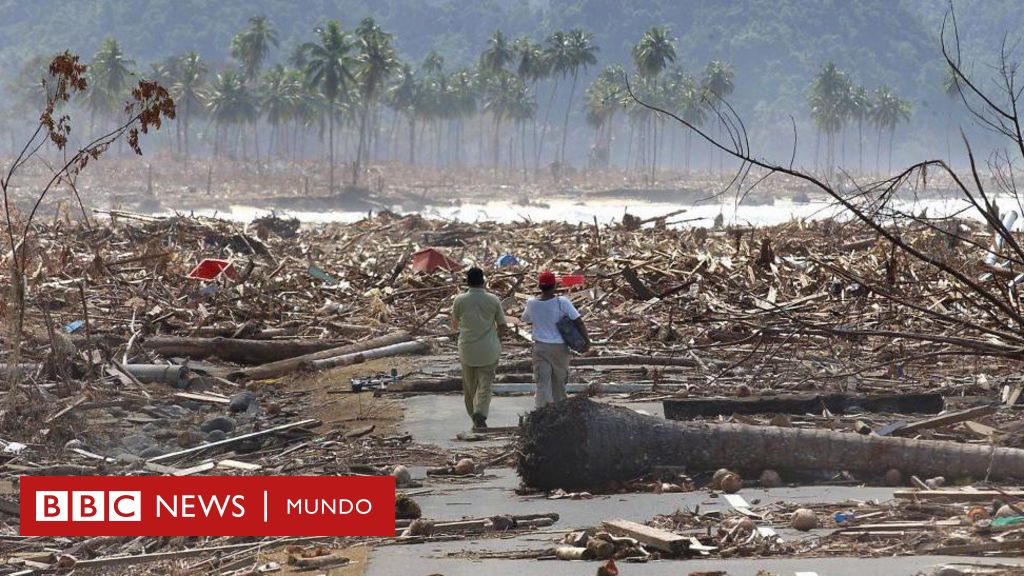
[476, 388]
[550, 371]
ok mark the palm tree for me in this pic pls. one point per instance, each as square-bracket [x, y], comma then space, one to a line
[889, 110]
[580, 52]
[403, 97]
[252, 45]
[164, 73]
[504, 92]
[654, 52]
[532, 65]
[461, 95]
[691, 105]
[860, 110]
[829, 101]
[717, 84]
[651, 55]
[557, 60]
[375, 63]
[498, 54]
[522, 107]
[603, 99]
[433, 63]
[279, 100]
[108, 79]
[329, 70]
[230, 101]
[187, 91]
[718, 79]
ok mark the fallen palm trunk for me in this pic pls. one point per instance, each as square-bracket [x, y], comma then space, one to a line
[169, 374]
[238, 350]
[683, 408]
[282, 367]
[414, 347]
[580, 444]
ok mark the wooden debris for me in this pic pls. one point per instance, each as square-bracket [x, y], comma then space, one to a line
[945, 420]
[190, 451]
[652, 537]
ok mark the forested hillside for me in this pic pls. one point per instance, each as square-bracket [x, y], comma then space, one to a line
[774, 47]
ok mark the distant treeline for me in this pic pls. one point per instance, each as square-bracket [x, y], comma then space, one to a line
[543, 85]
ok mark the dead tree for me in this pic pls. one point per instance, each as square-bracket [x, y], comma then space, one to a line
[146, 108]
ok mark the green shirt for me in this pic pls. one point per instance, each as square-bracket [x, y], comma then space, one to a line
[479, 314]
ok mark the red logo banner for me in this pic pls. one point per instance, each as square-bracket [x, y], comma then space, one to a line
[207, 506]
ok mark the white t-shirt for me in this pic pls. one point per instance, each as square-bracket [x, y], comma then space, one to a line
[544, 316]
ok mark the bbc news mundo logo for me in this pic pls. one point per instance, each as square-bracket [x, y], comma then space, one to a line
[207, 506]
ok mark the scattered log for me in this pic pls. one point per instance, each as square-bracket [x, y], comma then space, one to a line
[684, 408]
[579, 444]
[944, 420]
[61, 470]
[318, 561]
[282, 367]
[172, 375]
[238, 350]
[413, 347]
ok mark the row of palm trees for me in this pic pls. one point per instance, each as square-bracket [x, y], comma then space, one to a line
[351, 89]
[657, 80]
[837, 102]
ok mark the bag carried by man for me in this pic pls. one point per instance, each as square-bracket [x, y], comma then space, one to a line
[569, 331]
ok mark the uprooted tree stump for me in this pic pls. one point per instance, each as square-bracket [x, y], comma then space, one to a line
[580, 444]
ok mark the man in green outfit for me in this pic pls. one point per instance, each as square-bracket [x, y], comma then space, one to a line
[478, 317]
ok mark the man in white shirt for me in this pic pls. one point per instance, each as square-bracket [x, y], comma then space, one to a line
[550, 352]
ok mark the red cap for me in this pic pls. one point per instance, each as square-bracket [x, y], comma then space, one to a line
[547, 278]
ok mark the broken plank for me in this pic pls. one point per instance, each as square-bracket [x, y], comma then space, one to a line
[236, 465]
[204, 467]
[945, 419]
[981, 429]
[658, 539]
[925, 525]
[232, 440]
[740, 505]
[67, 409]
[161, 469]
[94, 456]
[203, 397]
